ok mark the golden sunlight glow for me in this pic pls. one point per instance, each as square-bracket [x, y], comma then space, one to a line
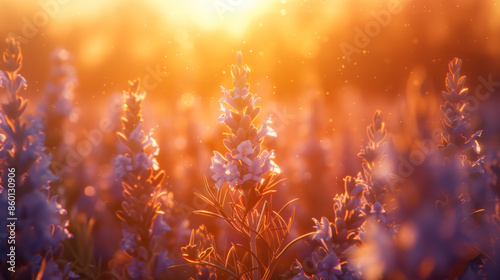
[94, 50]
[352, 139]
[231, 15]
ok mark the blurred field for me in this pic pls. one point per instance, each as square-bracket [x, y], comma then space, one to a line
[319, 78]
[293, 48]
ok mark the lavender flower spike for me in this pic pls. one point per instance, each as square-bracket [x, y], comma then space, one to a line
[39, 226]
[142, 190]
[455, 139]
[245, 162]
[245, 173]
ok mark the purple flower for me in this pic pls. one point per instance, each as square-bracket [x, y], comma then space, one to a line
[225, 116]
[123, 165]
[243, 92]
[137, 269]
[219, 168]
[128, 240]
[160, 226]
[40, 227]
[162, 262]
[246, 160]
[260, 166]
[3, 79]
[232, 171]
[136, 135]
[244, 149]
[266, 130]
[143, 162]
[254, 171]
[330, 267]
[227, 99]
[71, 274]
[455, 140]
[323, 230]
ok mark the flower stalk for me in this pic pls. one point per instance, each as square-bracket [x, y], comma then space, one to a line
[244, 179]
[142, 190]
[39, 226]
[246, 163]
[454, 140]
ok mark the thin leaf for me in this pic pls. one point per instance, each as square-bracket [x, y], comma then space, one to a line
[208, 213]
[288, 203]
[204, 198]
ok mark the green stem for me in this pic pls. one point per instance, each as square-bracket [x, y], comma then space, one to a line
[253, 245]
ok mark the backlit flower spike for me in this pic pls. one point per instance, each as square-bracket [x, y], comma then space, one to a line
[245, 164]
[266, 130]
[142, 209]
[58, 116]
[225, 114]
[137, 134]
[219, 168]
[142, 148]
[374, 177]
[455, 140]
[132, 107]
[40, 226]
[240, 72]
[123, 165]
[323, 230]
[247, 170]
[339, 238]
[244, 150]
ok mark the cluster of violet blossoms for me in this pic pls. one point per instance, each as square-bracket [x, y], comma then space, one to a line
[365, 199]
[40, 226]
[56, 106]
[144, 228]
[140, 149]
[245, 162]
[455, 139]
[446, 221]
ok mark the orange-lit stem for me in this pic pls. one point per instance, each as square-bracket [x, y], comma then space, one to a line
[253, 246]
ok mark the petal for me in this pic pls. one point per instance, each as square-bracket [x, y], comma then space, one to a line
[247, 161]
[245, 147]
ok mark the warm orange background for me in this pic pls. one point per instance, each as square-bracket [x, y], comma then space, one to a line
[298, 68]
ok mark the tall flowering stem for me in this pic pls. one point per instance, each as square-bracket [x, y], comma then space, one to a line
[142, 189]
[58, 114]
[377, 174]
[455, 140]
[336, 239]
[39, 227]
[372, 155]
[445, 199]
[56, 105]
[246, 163]
[364, 198]
[245, 171]
[479, 194]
